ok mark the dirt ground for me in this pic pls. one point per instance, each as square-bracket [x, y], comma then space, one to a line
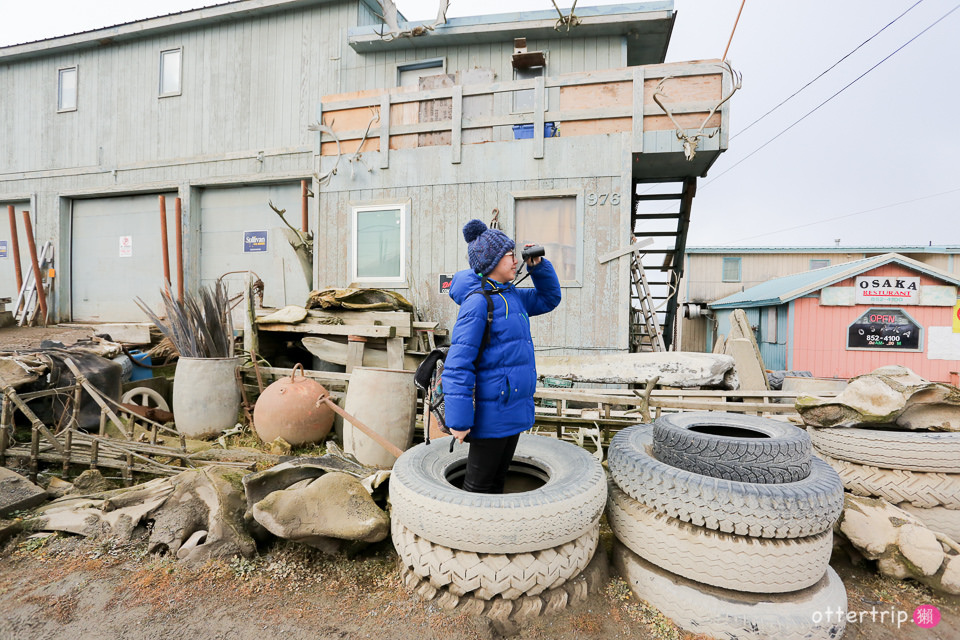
[13, 338]
[69, 587]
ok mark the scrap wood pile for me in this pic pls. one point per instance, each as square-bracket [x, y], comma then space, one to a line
[356, 327]
[894, 439]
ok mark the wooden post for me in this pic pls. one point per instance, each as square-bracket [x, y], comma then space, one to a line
[304, 218]
[178, 214]
[37, 278]
[34, 453]
[94, 453]
[163, 241]
[5, 411]
[67, 443]
[15, 248]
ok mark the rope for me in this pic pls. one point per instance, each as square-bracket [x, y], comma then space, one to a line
[733, 31]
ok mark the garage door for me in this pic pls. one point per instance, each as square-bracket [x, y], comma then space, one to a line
[8, 272]
[116, 256]
[239, 232]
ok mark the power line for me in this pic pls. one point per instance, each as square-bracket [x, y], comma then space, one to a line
[827, 70]
[817, 108]
[846, 215]
[823, 73]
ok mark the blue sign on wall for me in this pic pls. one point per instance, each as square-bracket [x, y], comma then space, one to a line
[3, 248]
[254, 241]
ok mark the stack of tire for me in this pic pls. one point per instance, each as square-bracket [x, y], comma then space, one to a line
[915, 470]
[725, 525]
[508, 556]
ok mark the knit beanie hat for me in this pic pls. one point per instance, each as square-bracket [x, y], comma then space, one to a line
[485, 247]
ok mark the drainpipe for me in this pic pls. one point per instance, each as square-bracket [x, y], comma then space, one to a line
[163, 242]
[303, 206]
[37, 278]
[179, 229]
[15, 248]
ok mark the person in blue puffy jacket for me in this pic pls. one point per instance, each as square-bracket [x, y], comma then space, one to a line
[491, 397]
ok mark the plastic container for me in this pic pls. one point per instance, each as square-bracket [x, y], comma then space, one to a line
[525, 131]
[141, 373]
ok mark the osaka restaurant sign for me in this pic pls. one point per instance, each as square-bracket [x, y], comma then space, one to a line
[887, 290]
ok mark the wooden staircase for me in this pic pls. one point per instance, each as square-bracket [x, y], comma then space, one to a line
[653, 299]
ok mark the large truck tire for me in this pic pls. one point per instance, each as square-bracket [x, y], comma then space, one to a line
[486, 575]
[927, 451]
[791, 510]
[567, 506]
[740, 563]
[724, 613]
[733, 446]
[897, 486]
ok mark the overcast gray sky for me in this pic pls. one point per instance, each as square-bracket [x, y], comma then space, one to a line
[876, 165]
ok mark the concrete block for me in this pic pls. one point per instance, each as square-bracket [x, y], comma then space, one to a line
[16, 492]
[750, 371]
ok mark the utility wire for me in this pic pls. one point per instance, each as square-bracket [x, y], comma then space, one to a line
[827, 70]
[837, 93]
[847, 215]
[822, 73]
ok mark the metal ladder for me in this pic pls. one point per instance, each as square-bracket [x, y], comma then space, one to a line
[645, 333]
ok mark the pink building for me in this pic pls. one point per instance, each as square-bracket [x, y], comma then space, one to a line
[848, 319]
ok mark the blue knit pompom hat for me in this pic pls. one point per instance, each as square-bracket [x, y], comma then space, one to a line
[485, 247]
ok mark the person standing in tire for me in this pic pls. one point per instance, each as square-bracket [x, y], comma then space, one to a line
[489, 376]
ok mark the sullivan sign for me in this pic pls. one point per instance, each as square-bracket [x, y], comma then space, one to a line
[888, 290]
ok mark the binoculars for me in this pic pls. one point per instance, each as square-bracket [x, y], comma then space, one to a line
[535, 251]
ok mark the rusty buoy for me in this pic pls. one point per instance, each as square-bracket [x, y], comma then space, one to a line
[289, 409]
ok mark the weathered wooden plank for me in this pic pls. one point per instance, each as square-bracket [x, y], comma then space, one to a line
[456, 131]
[385, 131]
[338, 353]
[369, 331]
[638, 110]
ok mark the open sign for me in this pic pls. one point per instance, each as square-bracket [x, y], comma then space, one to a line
[885, 329]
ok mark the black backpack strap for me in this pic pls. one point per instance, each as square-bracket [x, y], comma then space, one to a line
[487, 293]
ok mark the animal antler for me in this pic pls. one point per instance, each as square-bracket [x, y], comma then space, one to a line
[691, 142]
[569, 21]
[389, 18]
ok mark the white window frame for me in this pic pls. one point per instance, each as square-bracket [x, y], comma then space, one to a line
[723, 269]
[812, 260]
[416, 65]
[397, 282]
[530, 92]
[554, 193]
[76, 93]
[179, 91]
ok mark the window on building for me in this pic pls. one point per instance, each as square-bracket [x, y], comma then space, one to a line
[523, 100]
[819, 264]
[67, 89]
[170, 72]
[770, 331]
[379, 244]
[731, 270]
[408, 75]
[555, 224]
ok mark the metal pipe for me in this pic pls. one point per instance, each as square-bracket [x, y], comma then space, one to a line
[178, 214]
[37, 278]
[304, 226]
[15, 248]
[163, 242]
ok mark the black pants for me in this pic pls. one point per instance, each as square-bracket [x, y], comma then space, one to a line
[488, 462]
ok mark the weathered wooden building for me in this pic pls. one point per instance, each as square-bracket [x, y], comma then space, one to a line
[848, 319]
[401, 139]
[712, 273]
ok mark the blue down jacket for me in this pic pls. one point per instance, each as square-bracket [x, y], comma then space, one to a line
[505, 378]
